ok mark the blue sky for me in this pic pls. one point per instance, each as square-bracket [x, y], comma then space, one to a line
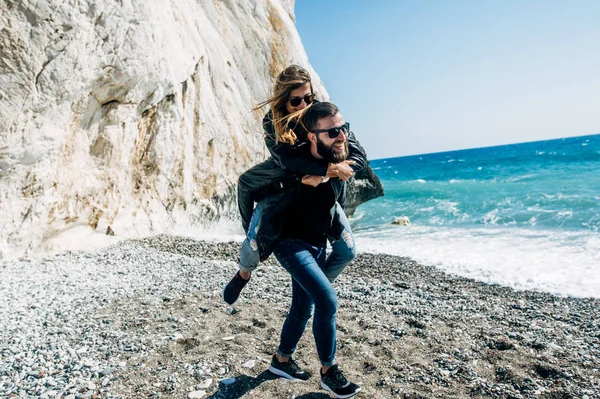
[423, 76]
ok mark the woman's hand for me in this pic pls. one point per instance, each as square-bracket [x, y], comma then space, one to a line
[311, 180]
[341, 170]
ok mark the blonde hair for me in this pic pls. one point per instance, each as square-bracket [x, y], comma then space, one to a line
[291, 78]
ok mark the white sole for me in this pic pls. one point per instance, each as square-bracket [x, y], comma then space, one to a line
[335, 395]
[282, 374]
[223, 294]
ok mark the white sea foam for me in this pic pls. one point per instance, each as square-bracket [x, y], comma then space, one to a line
[491, 217]
[563, 263]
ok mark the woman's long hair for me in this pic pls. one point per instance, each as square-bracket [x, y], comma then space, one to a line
[291, 78]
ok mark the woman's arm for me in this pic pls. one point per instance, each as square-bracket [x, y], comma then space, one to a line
[356, 153]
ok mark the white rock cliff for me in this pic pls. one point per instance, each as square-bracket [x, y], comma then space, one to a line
[131, 114]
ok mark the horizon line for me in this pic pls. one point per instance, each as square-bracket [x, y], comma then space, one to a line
[489, 146]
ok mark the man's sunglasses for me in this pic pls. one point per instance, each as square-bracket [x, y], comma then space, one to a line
[334, 131]
[295, 101]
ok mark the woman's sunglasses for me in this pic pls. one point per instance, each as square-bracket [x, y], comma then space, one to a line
[295, 101]
[334, 131]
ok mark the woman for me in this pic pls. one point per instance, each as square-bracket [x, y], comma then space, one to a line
[267, 182]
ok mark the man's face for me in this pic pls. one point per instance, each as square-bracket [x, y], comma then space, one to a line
[332, 150]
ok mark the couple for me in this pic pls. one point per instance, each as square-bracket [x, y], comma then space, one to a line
[299, 191]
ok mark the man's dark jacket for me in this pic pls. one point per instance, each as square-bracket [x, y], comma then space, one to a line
[274, 181]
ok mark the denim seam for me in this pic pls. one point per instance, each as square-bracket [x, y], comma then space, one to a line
[279, 348]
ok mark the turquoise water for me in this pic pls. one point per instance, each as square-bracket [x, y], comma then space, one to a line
[526, 215]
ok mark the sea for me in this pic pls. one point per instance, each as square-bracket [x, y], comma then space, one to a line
[522, 215]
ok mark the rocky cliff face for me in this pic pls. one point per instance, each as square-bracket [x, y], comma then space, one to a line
[131, 114]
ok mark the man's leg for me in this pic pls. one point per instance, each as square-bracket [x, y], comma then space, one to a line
[296, 320]
[310, 286]
[305, 263]
[343, 250]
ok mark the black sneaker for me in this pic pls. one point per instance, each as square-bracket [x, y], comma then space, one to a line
[231, 290]
[335, 382]
[289, 370]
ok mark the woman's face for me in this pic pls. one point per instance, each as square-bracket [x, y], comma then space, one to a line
[298, 93]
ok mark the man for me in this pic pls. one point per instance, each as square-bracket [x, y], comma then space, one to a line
[301, 251]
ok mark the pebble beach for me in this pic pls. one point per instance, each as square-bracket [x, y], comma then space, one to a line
[145, 319]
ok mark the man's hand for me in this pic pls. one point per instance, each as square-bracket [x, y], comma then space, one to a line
[312, 180]
[341, 170]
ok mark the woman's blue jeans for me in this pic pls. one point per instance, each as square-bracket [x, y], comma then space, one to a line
[249, 255]
[343, 250]
[311, 289]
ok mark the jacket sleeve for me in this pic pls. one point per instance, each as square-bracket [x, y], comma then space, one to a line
[253, 186]
[289, 157]
[356, 153]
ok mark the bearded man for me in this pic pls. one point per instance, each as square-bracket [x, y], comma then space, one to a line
[301, 250]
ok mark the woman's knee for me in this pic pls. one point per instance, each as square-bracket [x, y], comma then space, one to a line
[249, 254]
[346, 248]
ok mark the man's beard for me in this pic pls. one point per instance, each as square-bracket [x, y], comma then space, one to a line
[329, 154]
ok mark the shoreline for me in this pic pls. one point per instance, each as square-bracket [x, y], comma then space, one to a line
[145, 318]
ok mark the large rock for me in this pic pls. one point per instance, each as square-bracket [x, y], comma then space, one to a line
[363, 187]
[131, 114]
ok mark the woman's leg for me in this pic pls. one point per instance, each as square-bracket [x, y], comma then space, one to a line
[251, 185]
[343, 250]
[310, 286]
[249, 254]
[249, 259]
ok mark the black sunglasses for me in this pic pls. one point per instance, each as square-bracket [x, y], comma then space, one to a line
[295, 101]
[335, 131]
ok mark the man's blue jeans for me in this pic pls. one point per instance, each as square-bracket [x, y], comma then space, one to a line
[311, 288]
[343, 251]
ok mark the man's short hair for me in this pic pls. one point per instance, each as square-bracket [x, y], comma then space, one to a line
[316, 112]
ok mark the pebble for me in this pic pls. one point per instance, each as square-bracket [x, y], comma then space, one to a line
[205, 384]
[196, 394]
[105, 372]
[75, 346]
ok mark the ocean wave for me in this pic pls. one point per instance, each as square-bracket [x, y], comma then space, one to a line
[522, 178]
[563, 263]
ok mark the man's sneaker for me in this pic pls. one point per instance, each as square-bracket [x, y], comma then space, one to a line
[289, 370]
[335, 382]
[231, 290]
